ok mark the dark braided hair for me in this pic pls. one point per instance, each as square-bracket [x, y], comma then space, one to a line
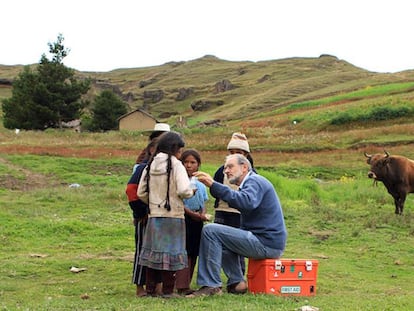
[169, 143]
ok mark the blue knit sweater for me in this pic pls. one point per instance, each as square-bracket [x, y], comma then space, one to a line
[259, 205]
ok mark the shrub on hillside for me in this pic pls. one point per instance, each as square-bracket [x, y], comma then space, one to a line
[386, 113]
[343, 118]
[376, 114]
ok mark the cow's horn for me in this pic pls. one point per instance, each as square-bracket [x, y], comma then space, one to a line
[386, 153]
[367, 155]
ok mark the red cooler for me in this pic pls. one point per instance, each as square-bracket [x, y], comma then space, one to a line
[284, 277]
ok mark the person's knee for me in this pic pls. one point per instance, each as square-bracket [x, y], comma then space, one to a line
[207, 229]
[210, 230]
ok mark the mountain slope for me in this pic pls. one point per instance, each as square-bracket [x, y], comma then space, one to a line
[255, 87]
[209, 89]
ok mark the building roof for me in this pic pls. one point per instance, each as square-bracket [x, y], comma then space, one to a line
[139, 110]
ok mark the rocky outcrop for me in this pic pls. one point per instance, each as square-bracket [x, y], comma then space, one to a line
[144, 83]
[264, 78]
[153, 96]
[103, 85]
[203, 105]
[223, 86]
[184, 93]
[128, 97]
[214, 122]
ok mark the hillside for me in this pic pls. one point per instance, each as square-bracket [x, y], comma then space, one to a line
[237, 90]
[287, 104]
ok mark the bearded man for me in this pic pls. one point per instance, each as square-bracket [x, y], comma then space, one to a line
[262, 234]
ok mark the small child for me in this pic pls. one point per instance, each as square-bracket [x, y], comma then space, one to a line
[195, 214]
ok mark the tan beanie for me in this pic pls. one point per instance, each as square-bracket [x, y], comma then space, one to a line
[238, 141]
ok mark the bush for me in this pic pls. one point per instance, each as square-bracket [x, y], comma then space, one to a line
[386, 113]
[376, 114]
[343, 118]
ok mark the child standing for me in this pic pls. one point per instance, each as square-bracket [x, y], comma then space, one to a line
[195, 214]
[163, 186]
[139, 213]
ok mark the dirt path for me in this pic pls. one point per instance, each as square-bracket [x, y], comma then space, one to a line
[15, 181]
[92, 153]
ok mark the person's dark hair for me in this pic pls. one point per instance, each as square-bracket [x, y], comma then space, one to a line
[145, 154]
[152, 144]
[193, 153]
[169, 143]
[156, 134]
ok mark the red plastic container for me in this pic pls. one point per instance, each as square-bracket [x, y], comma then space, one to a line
[284, 277]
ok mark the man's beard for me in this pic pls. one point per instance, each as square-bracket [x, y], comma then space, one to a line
[235, 179]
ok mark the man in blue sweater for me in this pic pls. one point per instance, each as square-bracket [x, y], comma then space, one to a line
[262, 233]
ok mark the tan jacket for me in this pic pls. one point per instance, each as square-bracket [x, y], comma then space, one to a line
[179, 187]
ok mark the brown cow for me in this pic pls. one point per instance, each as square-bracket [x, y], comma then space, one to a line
[396, 173]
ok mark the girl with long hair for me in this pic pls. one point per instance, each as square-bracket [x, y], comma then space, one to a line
[163, 186]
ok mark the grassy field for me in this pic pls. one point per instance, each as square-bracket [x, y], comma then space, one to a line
[335, 216]
[308, 124]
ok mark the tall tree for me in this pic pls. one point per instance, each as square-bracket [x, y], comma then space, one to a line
[48, 96]
[106, 110]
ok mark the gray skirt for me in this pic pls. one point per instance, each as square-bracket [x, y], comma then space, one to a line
[163, 247]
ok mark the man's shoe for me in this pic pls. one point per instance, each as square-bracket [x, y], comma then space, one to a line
[206, 291]
[237, 288]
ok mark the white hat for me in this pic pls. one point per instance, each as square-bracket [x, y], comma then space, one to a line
[238, 141]
[162, 127]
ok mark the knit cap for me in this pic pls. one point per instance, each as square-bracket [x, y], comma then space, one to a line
[238, 141]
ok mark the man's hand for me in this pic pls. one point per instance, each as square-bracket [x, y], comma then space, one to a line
[205, 178]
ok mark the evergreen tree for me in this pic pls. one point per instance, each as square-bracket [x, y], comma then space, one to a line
[45, 97]
[106, 110]
[22, 110]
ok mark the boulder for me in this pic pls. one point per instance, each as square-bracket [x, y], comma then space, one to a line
[203, 105]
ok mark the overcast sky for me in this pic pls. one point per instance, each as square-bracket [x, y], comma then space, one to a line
[376, 35]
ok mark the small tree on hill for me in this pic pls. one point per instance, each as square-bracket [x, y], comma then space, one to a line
[45, 97]
[106, 110]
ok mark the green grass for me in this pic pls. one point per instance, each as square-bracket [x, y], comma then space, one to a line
[332, 211]
[369, 91]
[364, 251]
